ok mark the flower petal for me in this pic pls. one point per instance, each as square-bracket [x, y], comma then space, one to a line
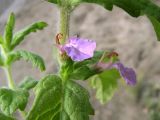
[128, 74]
[79, 49]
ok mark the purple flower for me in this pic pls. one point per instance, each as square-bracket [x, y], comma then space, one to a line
[79, 49]
[128, 74]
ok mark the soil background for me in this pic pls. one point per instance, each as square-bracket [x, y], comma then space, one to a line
[134, 40]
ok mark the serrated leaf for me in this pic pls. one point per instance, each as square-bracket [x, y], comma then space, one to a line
[11, 100]
[19, 36]
[105, 84]
[8, 33]
[56, 102]
[28, 83]
[4, 117]
[36, 60]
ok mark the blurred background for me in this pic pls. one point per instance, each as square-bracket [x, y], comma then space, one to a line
[134, 40]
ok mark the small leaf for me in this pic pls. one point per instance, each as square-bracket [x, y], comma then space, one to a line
[4, 117]
[105, 84]
[54, 102]
[36, 60]
[9, 30]
[28, 83]
[11, 100]
[19, 36]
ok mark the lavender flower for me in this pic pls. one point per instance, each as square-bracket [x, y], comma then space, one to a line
[128, 74]
[79, 49]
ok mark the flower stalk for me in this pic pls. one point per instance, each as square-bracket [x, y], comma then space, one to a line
[64, 23]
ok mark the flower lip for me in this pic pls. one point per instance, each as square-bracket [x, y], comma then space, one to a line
[79, 49]
[128, 74]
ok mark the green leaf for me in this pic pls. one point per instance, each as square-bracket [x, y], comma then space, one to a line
[11, 100]
[28, 83]
[36, 60]
[9, 30]
[19, 36]
[4, 117]
[156, 25]
[106, 84]
[56, 102]
[82, 73]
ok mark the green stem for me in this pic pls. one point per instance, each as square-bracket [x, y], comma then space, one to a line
[64, 23]
[7, 68]
[11, 83]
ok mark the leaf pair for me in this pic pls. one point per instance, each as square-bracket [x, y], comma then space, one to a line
[12, 40]
[57, 101]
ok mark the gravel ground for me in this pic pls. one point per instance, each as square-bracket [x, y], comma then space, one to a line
[132, 38]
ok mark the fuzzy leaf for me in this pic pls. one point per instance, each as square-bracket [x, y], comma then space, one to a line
[54, 102]
[11, 100]
[4, 117]
[19, 36]
[28, 83]
[36, 60]
[105, 84]
[8, 33]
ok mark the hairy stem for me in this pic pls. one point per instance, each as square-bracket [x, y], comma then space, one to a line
[7, 68]
[10, 81]
[64, 23]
